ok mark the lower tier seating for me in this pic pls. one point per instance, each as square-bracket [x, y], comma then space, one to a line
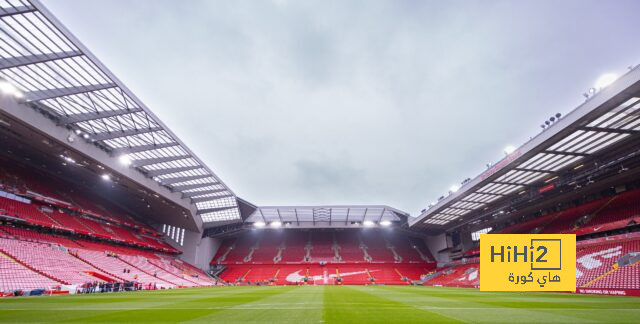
[15, 276]
[350, 274]
[30, 260]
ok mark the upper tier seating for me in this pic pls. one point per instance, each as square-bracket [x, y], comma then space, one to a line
[268, 247]
[29, 182]
[33, 236]
[422, 247]
[294, 246]
[28, 212]
[625, 206]
[601, 215]
[59, 219]
[241, 249]
[322, 247]
[405, 248]
[376, 247]
[565, 221]
[349, 246]
[526, 227]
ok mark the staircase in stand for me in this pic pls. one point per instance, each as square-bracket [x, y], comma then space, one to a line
[93, 265]
[226, 253]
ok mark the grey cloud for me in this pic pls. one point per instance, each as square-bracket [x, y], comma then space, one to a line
[416, 95]
[325, 175]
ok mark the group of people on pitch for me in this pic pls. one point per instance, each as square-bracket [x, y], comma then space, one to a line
[101, 287]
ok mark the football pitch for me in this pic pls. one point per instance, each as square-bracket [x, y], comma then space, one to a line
[323, 304]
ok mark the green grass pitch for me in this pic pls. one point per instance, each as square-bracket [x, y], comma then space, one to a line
[323, 304]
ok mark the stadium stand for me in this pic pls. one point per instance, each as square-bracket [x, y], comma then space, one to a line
[15, 276]
[603, 214]
[321, 245]
[612, 264]
[57, 229]
[349, 246]
[36, 258]
[352, 268]
[74, 261]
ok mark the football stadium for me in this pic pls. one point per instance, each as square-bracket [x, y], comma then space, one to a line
[107, 215]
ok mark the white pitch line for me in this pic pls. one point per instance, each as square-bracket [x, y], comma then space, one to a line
[294, 308]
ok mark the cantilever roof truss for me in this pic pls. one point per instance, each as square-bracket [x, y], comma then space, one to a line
[587, 131]
[333, 215]
[57, 74]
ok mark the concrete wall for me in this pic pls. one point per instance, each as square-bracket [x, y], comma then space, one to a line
[465, 239]
[198, 250]
[437, 243]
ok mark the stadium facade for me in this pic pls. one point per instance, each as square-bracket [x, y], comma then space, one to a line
[92, 177]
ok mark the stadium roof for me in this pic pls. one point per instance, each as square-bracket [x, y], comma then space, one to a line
[326, 215]
[609, 117]
[57, 75]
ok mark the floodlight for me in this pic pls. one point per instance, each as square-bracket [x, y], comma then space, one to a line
[385, 223]
[509, 149]
[454, 188]
[605, 80]
[259, 224]
[368, 223]
[276, 224]
[105, 177]
[125, 159]
[10, 89]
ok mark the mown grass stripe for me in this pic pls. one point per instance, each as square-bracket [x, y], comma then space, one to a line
[318, 304]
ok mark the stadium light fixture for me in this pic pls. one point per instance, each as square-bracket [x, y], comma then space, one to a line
[385, 223]
[605, 80]
[259, 224]
[276, 224]
[105, 177]
[509, 149]
[454, 188]
[10, 89]
[125, 159]
[68, 159]
[368, 223]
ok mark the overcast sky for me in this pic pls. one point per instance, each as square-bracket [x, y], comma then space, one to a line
[355, 102]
